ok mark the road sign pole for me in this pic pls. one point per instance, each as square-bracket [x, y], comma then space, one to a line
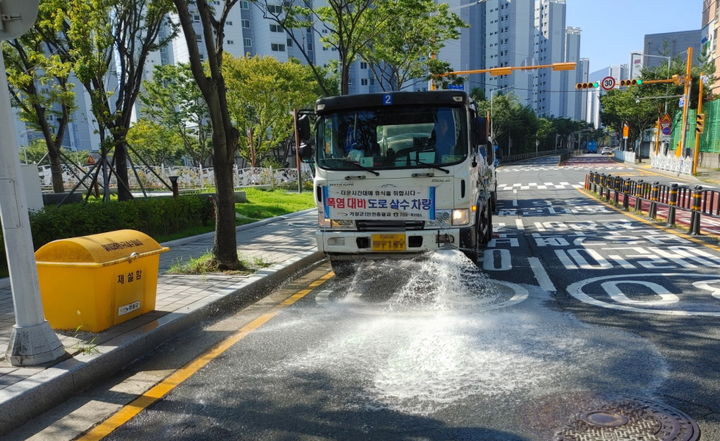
[686, 103]
[32, 342]
[657, 137]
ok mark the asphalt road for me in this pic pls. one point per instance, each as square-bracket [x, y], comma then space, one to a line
[575, 307]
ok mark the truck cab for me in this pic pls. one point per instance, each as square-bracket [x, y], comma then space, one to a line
[399, 174]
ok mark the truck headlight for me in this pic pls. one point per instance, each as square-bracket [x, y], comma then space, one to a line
[461, 217]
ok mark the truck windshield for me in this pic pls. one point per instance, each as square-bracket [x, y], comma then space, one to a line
[392, 137]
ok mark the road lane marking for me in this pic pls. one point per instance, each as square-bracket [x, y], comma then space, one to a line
[648, 222]
[157, 392]
[576, 290]
[519, 224]
[541, 275]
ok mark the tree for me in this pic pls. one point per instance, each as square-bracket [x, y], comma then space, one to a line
[213, 87]
[155, 143]
[263, 92]
[173, 100]
[39, 87]
[514, 126]
[407, 32]
[344, 26]
[104, 39]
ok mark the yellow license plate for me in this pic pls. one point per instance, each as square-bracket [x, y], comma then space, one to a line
[388, 242]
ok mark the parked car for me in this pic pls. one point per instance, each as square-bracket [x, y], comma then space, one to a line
[607, 151]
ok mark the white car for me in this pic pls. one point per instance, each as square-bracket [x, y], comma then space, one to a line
[607, 151]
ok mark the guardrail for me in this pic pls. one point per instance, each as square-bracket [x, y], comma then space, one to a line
[649, 197]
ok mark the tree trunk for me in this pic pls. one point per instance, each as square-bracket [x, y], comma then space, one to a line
[56, 169]
[121, 169]
[225, 139]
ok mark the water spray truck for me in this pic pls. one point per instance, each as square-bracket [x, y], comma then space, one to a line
[399, 174]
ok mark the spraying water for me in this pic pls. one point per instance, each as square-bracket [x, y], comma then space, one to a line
[423, 336]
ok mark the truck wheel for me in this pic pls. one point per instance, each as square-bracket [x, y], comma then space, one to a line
[489, 229]
[342, 268]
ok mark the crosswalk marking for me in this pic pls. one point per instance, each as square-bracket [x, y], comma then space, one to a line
[535, 186]
[574, 167]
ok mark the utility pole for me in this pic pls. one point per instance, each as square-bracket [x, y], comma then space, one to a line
[698, 131]
[686, 103]
[32, 342]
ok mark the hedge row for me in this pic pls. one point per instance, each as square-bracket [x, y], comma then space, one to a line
[153, 216]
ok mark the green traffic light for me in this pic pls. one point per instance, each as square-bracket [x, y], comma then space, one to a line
[639, 82]
[596, 84]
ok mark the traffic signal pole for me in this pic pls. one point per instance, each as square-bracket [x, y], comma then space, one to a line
[698, 133]
[688, 82]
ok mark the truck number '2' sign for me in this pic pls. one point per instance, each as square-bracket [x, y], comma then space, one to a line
[348, 200]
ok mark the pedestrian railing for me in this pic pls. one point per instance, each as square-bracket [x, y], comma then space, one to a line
[649, 196]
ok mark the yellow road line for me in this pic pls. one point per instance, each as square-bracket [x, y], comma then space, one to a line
[173, 380]
[646, 221]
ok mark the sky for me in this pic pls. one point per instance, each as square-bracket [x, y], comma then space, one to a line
[611, 29]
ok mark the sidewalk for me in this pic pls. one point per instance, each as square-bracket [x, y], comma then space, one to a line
[287, 243]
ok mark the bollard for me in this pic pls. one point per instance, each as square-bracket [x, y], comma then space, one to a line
[672, 205]
[617, 187]
[695, 213]
[174, 183]
[652, 211]
[638, 195]
[626, 194]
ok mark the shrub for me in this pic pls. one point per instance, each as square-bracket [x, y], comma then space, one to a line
[153, 216]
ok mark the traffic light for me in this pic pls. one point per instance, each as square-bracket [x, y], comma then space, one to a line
[625, 83]
[700, 122]
[594, 85]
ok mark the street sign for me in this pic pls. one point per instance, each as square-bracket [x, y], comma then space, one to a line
[456, 86]
[666, 124]
[608, 83]
[681, 102]
[626, 132]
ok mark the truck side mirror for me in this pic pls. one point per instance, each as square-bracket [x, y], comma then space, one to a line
[479, 131]
[303, 125]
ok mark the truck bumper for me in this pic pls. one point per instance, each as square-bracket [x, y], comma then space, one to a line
[351, 244]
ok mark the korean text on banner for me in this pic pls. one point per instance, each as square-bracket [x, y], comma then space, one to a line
[349, 200]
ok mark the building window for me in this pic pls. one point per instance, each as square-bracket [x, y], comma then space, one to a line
[277, 47]
[244, 5]
[275, 28]
[229, 23]
[363, 81]
[363, 65]
[274, 9]
[289, 42]
[230, 42]
[247, 41]
[245, 23]
[196, 18]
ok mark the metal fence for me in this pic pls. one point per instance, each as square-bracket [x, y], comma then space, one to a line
[647, 196]
[187, 177]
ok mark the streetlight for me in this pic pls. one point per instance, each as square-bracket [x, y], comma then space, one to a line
[32, 342]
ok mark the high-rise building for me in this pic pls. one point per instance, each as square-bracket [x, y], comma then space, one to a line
[668, 44]
[709, 35]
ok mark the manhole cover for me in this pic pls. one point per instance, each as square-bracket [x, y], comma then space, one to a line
[631, 420]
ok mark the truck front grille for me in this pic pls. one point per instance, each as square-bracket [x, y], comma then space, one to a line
[382, 225]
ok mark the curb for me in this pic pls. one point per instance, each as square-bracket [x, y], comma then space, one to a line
[31, 397]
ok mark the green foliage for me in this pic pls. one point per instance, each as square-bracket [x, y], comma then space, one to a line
[156, 144]
[263, 204]
[406, 32]
[262, 92]
[153, 216]
[173, 100]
